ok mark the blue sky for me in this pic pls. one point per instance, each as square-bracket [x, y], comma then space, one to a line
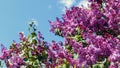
[15, 16]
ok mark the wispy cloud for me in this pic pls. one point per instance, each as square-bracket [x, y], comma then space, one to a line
[70, 3]
[83, 3]
[67, 3]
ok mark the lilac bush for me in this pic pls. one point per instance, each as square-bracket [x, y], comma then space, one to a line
[91, 40]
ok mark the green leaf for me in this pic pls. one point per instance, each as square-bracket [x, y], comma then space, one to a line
[58, 32]
[31, 24]
[69, 47]
[42, 56]
[36, 62]
[0, 63]
[33, 34]
[78, 38]
[39, 57]
[67, 65]
[82, 66]
[106, 65]
[78, 30]
[118, 36]
[28, 37]
[30, 66]
[102, 60]
[98, 66]
[35, 29]
[75, 56]
[32, 58]
[34, 41]
[25, 59]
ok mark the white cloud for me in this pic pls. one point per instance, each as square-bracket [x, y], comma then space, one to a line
[70, 3]
[67, 3]
[83, 3]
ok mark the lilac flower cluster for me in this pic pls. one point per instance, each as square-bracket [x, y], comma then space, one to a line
[30, 52]
[91, 40]
[91, 33]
